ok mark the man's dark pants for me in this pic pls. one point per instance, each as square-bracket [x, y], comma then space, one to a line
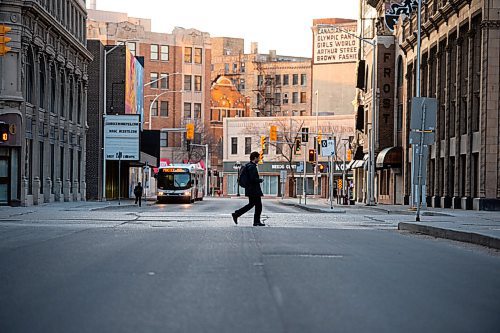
[252, 201]
[138, 198]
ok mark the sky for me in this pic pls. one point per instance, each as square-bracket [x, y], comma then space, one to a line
[281, 25]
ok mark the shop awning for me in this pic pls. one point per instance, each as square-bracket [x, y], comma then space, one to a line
[391, 157]
[355, 164]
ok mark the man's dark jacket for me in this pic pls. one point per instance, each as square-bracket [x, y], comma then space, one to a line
[253, 189]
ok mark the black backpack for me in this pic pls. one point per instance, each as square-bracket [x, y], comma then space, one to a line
[243, 180]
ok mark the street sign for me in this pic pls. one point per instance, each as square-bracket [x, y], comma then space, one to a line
[300, 167]
[283, 176]
[327, 147]
[418, 106]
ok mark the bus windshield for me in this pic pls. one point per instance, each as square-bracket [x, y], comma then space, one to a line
[173, 181]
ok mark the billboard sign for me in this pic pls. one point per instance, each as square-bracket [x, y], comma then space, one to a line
[134, 85]
[121, 137]
[332, 46]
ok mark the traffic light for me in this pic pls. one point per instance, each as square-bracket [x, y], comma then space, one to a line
[312, 155]
[263, 142]
[319, 137]
[297, 146]
[305, 134]
[4, 132]
[321, 168]
[273, 133]
[189, 131]
[4, 39]
[349, 154]
[339, 184]
[261, 158]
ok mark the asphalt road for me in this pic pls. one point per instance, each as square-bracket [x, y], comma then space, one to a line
[182, 268]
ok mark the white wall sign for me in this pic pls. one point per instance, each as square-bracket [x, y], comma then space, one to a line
[327, 148]
[332, 46]
[121, 135]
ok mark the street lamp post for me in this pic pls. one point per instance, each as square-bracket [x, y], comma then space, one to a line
[237, 167]
[316, 186]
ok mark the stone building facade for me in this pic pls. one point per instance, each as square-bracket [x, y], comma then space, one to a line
[460, 68]
[43, 99]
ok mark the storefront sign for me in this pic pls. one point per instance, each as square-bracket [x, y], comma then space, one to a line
[121, 135]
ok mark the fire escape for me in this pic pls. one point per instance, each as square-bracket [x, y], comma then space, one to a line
[268, 90]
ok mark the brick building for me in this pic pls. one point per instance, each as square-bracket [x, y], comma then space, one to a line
[43, 98]
[176, 75]
[275, 84]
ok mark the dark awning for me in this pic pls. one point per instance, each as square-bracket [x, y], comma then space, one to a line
[391, 157]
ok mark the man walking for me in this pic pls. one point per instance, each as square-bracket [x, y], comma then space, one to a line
[249, 178]
[138, 193]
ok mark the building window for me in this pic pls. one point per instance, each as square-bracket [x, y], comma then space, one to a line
[163, 139]
[164, 109]
[197, 110]
[235, 68]
[53, 88]
[71, 98]
[226, 68]
[277, 79]
[242, 67]
[132, 47]
[41, 98]
[277, 98]
[303, 79]
[62, 95]
[260, 80]
[187, 110]
[154, 108]
[154, 52]
[286, 79]
[295, 79]
[198, 55]
[153, 77]
[29, 76]
[303, 97]
[248, 146]
[164, 55]
[295, 98]
[188, 54]
[242, 84]
[164, 81]
[234, 146]
[197, 83]
[285, 98]
[187, 82]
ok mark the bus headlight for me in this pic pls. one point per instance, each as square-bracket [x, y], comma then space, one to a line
[160, 193]
[187, 192]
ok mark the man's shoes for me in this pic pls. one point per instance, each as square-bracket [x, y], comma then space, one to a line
[260, 224]
[235, 218]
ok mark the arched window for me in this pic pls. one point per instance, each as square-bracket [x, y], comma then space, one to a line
[30, 74]
[400, 72]
[53, 88]
[41, 84]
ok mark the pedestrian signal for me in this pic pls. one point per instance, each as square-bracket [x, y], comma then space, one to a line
[4, 132]
[273, 133]
[189, 131]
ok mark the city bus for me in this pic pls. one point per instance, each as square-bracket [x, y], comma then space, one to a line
[185, 182]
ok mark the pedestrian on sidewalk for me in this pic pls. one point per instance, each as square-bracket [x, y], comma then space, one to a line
[250, 180]
[138, 193]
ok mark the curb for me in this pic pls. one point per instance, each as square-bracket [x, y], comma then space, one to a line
[461, 236]
[312, 209]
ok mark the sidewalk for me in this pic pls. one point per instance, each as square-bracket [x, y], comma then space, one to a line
[476, 227]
